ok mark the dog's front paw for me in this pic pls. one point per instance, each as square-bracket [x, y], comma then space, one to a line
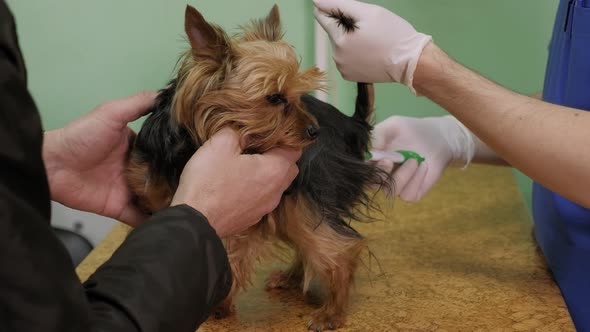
[223, 311]
[282, 280]
[320, 321]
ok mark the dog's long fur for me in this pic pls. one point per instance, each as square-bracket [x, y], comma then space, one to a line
[252, 83]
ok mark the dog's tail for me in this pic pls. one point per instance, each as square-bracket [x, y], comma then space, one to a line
[365, 101]
[375, 176]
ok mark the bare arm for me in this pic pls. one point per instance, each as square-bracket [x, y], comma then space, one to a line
[546, 142]
[485, 155]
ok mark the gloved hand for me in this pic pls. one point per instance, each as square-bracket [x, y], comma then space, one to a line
[440, 140]
[382, 48]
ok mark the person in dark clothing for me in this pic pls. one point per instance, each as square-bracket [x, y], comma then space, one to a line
[170, 271]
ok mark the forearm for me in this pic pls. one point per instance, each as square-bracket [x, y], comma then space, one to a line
[166, 276]
[485, 155]
[173, 263]
[526, 132]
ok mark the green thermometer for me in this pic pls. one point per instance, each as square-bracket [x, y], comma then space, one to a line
[405, 154]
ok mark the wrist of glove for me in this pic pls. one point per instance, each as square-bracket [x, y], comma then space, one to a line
[460, 140]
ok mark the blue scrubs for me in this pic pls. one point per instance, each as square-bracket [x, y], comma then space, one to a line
[562, 228]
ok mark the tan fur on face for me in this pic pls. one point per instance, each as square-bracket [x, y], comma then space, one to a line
[228, 84]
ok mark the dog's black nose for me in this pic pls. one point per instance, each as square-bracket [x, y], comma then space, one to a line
[313, 131]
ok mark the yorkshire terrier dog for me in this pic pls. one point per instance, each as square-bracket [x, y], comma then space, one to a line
[251, 82]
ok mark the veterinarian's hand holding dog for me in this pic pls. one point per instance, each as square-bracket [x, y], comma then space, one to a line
[380, 47]
[234, 190]
[86, 160]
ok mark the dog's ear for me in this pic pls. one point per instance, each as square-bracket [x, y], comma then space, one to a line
[310, 80]
[200, 33]
[268, 28]
[204, 37]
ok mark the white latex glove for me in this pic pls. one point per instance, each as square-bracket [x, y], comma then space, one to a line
[441, 141]
[382, 48]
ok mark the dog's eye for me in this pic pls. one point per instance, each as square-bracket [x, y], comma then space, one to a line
[276, 99]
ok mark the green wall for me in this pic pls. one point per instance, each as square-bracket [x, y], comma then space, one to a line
[80, 53]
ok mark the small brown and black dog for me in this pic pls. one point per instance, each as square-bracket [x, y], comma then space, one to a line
[251, 82]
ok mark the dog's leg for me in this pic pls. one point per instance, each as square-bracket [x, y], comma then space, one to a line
[334, 258]
[243, 251]
[324, 253]
[290, 279]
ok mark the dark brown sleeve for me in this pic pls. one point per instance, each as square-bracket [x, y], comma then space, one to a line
[166, 276]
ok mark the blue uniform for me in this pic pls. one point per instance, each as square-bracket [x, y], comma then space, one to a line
[562, 228]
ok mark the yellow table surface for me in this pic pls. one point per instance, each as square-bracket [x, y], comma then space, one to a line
[463, 259]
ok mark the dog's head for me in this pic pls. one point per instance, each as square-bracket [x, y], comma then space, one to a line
[250, 82]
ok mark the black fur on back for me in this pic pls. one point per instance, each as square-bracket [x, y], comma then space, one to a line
[161, 143]
[333, 174]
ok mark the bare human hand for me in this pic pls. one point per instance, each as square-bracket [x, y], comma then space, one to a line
[86, 160]
[234, 190]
